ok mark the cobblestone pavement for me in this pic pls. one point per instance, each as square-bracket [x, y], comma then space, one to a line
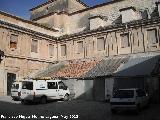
[72, 110]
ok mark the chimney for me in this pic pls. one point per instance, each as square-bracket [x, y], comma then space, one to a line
[97, 21]
[129, 14]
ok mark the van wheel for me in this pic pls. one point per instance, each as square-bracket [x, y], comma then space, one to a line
[66, 97]
[43, 100]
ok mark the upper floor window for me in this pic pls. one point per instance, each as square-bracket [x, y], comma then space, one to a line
[152, 36]
[92, 45]
[63, 50]
[100, 44]
[13, 41]
[125, 40]
[51, 50]
[34, 46]
[80, 47]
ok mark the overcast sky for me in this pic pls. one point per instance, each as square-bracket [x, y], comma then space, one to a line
[21, 7]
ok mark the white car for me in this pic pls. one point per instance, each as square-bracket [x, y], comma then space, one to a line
[43, 90]
[129, 99]
[16, 90]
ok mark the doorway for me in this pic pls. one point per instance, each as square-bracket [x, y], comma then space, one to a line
[11, 77]
[99, 89]
[159, 89]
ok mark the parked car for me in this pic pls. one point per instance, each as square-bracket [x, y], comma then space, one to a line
[16, 90]
[129, 99]
[43, 90]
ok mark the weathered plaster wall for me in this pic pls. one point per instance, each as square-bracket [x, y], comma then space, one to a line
[111, 11]
[21, 61]
[27, 25]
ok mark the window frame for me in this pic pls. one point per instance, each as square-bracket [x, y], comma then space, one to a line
[80, 43]
[104, 45]
[64, 52]
[156, 36]
[32, 46]
[126, 45]
[13, 44]
[51, 54]
[53, 87]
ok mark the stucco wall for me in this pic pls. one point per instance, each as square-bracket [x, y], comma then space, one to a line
[27, 25]
[21, 61]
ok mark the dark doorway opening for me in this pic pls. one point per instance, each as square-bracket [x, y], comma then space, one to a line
[99, 89]
[159, 90]
[11, 77]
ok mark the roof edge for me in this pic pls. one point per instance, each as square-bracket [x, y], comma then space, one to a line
[82, 3]
[26, 21]
[96, 6]
[83, 10]
[43, 4]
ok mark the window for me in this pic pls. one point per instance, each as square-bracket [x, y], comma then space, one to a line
[100, 43]
[13, 41]
[15, 86]
[61, 85]
[63, 50]
[80, 47]
[52, 85]
[92, 45]
[125, 40]
[152, 36]
[123, 94]
[34, 46]
[51, 49]
[27, 85]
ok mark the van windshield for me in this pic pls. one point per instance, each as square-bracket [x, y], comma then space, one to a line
[15, 86]
[123, 94]
[27, 85]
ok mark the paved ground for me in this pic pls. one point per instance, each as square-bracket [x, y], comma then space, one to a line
[76, 109]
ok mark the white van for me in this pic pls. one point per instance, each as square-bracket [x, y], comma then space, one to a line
[129, 99]
[16, 90]
[43, 90]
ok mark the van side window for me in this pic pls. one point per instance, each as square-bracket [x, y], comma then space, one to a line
[61, 85]
[27, 85]
[52, 85]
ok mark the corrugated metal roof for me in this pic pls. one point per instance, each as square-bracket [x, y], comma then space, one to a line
[106, 67]
[138, 66]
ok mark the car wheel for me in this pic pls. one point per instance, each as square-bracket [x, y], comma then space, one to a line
[66, 97]
[23, 102]
[114, 111]
[43, 100]
[138, 109]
